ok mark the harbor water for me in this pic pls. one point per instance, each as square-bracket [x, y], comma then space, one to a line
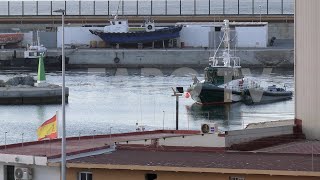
[101, 102]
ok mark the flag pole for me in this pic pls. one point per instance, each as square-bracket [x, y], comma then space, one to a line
[63, 150]
[57, 118]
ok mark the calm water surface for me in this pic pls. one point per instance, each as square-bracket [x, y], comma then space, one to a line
[98, 101]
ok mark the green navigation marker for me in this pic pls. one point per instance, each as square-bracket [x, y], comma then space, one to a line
[41, 70]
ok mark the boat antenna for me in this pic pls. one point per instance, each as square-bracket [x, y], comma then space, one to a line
[118, 9]
[226, 39]
[38, 38]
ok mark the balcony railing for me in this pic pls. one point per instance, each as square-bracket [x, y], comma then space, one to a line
[149, 7]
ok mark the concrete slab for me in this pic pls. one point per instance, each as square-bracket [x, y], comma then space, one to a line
[18, 95]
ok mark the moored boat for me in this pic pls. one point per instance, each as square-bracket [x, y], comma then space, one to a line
[118, 32]
[30, 58]
[10, 38]
[224, 81]
[261, 96]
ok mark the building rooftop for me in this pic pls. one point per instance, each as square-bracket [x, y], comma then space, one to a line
[295, 158]
[227, 160]
[300, 147]
[84, 143]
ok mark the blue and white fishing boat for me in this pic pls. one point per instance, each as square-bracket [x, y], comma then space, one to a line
[119, 32]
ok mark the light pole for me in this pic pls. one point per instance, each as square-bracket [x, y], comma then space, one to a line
[164, 113]
[63, 146]
[110, 133]
[5, 140]
[260, 12]
[79, 140]
[177, 93]
[22, 139]
[94, 132]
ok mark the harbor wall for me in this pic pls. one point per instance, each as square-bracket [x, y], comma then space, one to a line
[86, 58]
[176, 58]
[281, 30]
[31, 95]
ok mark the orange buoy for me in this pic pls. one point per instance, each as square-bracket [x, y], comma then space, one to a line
[187, 95]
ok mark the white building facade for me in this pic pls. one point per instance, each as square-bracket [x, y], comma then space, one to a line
[35, 167]
[307, 63]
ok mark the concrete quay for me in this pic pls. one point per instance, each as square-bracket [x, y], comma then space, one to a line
[22, 95]
[165, 58]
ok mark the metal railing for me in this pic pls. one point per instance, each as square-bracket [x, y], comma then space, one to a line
[148, 7]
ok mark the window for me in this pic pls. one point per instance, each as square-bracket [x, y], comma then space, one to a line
[236, 178]
[150, 176]
[85, 176]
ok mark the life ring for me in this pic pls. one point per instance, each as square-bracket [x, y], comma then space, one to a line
[149, 27]
[116, 60]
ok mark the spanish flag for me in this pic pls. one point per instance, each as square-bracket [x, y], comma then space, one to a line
[48, 130]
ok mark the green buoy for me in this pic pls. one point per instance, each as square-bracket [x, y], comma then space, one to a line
[41, 81]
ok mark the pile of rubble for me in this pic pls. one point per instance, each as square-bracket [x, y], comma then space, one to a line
[18, 81]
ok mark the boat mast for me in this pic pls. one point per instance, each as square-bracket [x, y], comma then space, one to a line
[38, 38]
[226, 57]
[118, 10]
[226, 40]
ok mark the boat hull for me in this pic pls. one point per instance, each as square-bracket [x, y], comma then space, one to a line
[208, 94]
[257, 96]
[139, 36]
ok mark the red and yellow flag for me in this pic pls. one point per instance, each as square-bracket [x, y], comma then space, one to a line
[48, 130]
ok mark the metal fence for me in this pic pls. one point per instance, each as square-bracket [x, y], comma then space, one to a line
[148, 7]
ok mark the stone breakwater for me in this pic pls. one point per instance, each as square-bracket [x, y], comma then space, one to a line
[20, 90]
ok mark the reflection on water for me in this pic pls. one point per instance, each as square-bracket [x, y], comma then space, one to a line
[226, 115]
[100, 100]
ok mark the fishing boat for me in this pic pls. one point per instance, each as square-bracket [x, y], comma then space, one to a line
[262, 96]
[31, 56]
[10, 38]
[119, 32]
[224, 81]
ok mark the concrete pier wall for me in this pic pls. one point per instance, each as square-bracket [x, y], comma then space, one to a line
[166, 58]
[31, 95]
[178, 58]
